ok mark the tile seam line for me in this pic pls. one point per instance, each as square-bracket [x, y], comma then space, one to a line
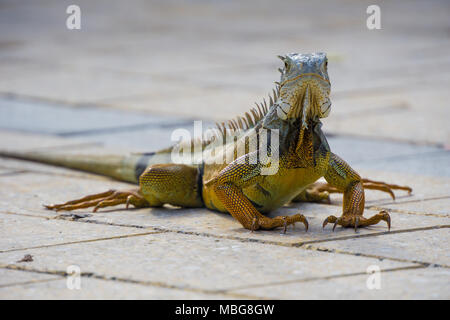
[424, 214]
[375, 207]
[204, 234]
[84, 175]
[307, 245]
[356, 254]
[28, 282]
[414, 200]
[104, 106]
[225, 291]
[83, 241]
[336, 276]
[158, 284]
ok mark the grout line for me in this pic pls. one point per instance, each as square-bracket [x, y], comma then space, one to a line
[27, 282]
[375, 207]
[367, 235]
[304, 245]
[323, 249]
[345, 275]
[15, 96]
[393, 158]
[13, 172]
[385, 139]
[415, 200]
[437, 215]
[76, 174]
[158, 284]
[225, 291]
[83, 241]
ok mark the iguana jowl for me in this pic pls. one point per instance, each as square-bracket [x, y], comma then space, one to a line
[238, 186]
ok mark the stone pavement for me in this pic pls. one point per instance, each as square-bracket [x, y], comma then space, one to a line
[137, 70]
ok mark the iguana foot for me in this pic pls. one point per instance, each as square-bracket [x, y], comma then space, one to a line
[319, 191]
[357, 221]
[101, 200]
[382, 186]
[280, 221]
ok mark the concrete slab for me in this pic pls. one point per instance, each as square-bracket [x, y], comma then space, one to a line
[438, 206]
[13, 141]
[10, 278]
[101, 289]
[430, 246]
[22, 232]
[191, 262]
[424, 283]
[424, 187]
[67, 120]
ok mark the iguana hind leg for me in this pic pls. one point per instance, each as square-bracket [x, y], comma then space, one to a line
[320, 191]
[159, 184]
[101, 200]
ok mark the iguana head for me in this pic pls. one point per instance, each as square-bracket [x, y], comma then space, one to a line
[304, 88]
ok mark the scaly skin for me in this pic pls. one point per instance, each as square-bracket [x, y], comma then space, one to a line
[241, 185]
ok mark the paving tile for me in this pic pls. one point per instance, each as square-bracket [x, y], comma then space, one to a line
[368, 152]
[28, 192]
[424, 187]
[57, 119]
[424, 283]
[187, 261]
[100, 289]
[430, 246]
[432, 207]
[9, 278]
[14, 141]
[20, 232]
[13, 167]
[427, 164]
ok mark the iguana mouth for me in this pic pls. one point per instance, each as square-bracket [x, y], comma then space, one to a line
[309, 100]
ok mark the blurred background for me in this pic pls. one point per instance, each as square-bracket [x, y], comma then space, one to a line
[137, 69]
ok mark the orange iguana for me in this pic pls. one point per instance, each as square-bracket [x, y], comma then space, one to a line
[249, 166]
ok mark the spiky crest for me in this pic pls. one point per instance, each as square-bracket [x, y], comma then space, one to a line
[251, 118]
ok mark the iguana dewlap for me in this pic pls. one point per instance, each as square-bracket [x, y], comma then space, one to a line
[227, 180]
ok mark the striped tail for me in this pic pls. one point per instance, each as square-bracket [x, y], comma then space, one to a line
[121, 167]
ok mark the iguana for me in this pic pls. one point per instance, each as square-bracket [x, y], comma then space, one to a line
[284, 134]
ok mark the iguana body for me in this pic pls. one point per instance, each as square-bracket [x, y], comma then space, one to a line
[232, 170]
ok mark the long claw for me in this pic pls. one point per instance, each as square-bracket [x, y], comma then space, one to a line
[356, 223]
[255, 220]
[335, 224]
[301, 218]
[285, 224]
[305, 222]
[127, 204]
[387, 218]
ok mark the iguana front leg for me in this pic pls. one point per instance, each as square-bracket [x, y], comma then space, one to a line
[342, 177]
[228, 185]
[320, 191]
